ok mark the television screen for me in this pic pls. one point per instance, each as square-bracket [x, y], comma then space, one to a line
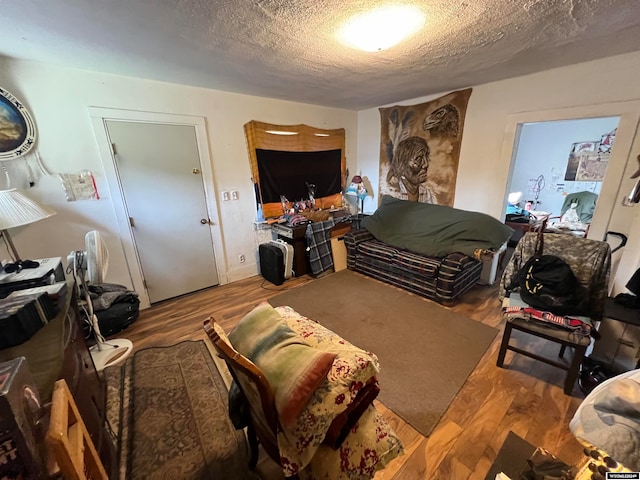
[287, 173]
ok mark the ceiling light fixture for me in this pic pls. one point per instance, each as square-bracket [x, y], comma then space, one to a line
[381, 28]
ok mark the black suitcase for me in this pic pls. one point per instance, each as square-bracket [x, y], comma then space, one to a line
[271, 263]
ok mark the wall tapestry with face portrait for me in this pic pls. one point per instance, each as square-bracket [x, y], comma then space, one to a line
[420, 147]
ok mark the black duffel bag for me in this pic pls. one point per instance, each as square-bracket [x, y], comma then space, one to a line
[547, 283]
[115, 306]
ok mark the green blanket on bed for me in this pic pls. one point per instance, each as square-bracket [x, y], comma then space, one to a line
[435, 230]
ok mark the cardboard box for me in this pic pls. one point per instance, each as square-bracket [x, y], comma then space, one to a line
[339, 253]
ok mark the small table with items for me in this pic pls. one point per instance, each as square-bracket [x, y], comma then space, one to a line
[296, 235]
[47, 272]
[518, 459]
[525, 224]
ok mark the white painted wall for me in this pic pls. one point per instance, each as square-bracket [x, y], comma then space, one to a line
[58, 99]
[483, 172]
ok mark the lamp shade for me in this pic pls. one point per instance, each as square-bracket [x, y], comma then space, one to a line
[514, 197]
[16, 210]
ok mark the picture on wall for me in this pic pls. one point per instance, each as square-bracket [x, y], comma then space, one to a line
[420, 148]
[606, 142]
[592, 168]
[588, 161]
[17, 129]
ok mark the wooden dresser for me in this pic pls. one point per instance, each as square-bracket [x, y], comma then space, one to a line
[58, 350]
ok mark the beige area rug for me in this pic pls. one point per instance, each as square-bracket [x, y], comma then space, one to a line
[426, 352]
[169, 408]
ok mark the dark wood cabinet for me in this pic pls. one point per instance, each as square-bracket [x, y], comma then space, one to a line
[87, 387]
[295, 236]
[59, 351]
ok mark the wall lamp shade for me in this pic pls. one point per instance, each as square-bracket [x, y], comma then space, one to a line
[357, 189]
[609, 419]
[17, 210]
[514, 198]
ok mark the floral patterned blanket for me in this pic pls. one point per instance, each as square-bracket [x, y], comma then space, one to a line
[370, 445]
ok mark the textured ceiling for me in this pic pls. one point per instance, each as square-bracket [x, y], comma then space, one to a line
[286, 49]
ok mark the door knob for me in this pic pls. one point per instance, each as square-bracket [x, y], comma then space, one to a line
[204, 221]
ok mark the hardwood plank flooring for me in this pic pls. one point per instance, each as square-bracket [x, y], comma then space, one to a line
[525, 397]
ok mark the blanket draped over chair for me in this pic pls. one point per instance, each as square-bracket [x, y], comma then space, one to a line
[368, 444]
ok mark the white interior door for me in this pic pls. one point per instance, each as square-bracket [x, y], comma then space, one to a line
[161, 180]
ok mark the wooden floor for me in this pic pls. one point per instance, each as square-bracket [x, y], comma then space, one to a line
[526, 397]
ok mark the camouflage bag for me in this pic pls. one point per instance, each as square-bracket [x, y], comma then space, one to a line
[546, 282]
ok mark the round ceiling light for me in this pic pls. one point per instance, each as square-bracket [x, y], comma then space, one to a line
[381, 28]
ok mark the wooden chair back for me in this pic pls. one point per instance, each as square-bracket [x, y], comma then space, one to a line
[255, 388]
[70, 447]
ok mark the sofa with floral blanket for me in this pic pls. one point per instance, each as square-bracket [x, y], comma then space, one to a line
[316, 376]
[434, 251]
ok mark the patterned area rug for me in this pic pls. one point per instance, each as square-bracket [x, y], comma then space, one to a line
[168, 408]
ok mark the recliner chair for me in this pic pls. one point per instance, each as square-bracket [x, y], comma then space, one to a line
[585, 205]
[575, 215]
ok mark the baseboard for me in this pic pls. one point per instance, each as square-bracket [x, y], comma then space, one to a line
[242, 272]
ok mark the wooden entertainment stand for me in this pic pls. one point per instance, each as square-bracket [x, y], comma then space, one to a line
[59, 351]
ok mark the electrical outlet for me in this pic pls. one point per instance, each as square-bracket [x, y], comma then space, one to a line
[241, 258]
[225, 196]
[234, 195]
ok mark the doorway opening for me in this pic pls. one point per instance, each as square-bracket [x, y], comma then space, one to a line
[609, 214]
[559, 168]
